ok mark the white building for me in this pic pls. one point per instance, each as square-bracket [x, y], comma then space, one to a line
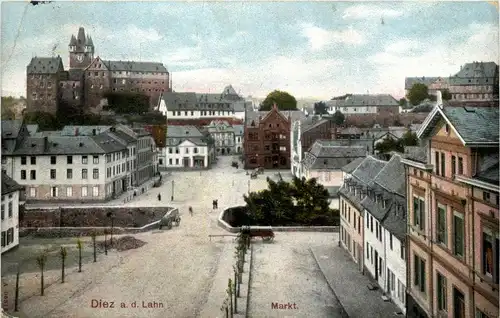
[352, 104]
[239, 134]
[296, 149]
[189, 105]
[10, 213]
[385, 230]
[187, 148]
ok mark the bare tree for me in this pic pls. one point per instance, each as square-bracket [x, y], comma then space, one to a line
[41, 260]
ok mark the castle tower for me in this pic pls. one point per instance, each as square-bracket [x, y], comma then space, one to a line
[81, 50]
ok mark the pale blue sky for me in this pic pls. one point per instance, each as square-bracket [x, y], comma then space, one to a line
[311, 49]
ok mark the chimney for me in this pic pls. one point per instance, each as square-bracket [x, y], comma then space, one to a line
[76, 131]
[439, 100]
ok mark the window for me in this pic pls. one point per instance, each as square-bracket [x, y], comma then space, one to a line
[460, 165]
[85, 160]
[170, 161]
[441, 292]
[177, 150]
[490, 250]
[436, 164]
[401, 292]
[54, 191]
[23, 160]
[84, 173]
[32, 174]
[367, 250]
[32, 192]
[52, 173]
[69, 173]
[95, 191]
[187, 150]
[458, 234]
[176, 161]
[195, 150]
[69, 160]
[33, 160]
[458, 304]
[479, 313]
[23, 174]
[170, 150]
[441, 229]
[69, 191]
[95, 159]
[9, 209]
[419, 273]
[53, 160]
[84, 191]
[486, 196]
[443, 168]
[3, 211]
[453, 166]
[418, 213]
[95, 173]
[390, 241]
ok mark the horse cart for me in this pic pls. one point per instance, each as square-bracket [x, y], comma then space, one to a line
[170, 218]
[266, 233]
[235, 164]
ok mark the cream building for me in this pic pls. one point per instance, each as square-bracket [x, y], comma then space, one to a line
[10, 213]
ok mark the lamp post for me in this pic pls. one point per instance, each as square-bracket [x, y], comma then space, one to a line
[172, 197]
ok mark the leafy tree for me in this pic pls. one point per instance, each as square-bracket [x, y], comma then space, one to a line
[403, 102]
[320, 108]
[45, 121]
[422, 109]
[418, 93]
[8, 107]
[409, 138]
[283, 100]
[445, 93]
[338, 118]
[300, 202]
[127, 102]
[387, 145]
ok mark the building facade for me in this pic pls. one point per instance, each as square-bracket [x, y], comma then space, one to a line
[452, 224]
[239, 135]
[267, 141]
[11, 193]
[187, 148]
[224, 137]
[364, 104]
[84, 85]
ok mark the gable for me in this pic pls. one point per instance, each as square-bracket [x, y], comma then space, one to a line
[97, 64]
[441, 130]
[274, 117]
[187, 143]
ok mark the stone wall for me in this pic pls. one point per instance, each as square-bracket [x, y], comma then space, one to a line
[91, 216]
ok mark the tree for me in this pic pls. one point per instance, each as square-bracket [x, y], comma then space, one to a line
[445, 93]
[409, 138]
[9, 107]
[94, 245]
[41, 260]
[79, 245]
[418, 93]
[283, 100]
[403, 102]
[45, 121]
[127, 103]
[320, 108]
[63, 254]
[338, 118]
[387, 145]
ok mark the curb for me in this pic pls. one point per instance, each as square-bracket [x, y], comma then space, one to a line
[249, 280]
[343, 313]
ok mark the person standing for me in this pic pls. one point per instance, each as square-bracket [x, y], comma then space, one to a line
[191, 210]
[159, 197]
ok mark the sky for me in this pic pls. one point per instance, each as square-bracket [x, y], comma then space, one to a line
[310, 49]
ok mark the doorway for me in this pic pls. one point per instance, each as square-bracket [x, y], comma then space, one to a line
[185, 162]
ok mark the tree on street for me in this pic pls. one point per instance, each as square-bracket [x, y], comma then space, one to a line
[338, 118]
[283, 100]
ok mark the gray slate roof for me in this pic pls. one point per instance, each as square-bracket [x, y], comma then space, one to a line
[187, 101]
[392, 176]
[219, 126]
[489, 175]
[32, 128]
[9, 185]
[10, 128]
[475, 124]
[368, 100]
[350, 167]
[410, 81]
[395, 219]
[133, 66]
[68, 145]
[476, 73]
[178, 134]
[294, 115]
[333, 191]
[368, 169]
[416, 153]
[238, 130]
[70, 130]
[229, 90]
[45, 65]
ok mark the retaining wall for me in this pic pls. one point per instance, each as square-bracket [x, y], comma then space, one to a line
[223, 218]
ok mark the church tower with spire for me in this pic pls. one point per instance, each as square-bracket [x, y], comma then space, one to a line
[81, 50]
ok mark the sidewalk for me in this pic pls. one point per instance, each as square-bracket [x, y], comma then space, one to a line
[350, 285]
[122, 199]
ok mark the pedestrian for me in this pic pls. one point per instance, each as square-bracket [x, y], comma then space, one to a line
[191, 211]
[213, 204]
[159, 197]
[216, 204]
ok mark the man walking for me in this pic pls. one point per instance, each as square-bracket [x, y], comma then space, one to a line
[191, 211]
